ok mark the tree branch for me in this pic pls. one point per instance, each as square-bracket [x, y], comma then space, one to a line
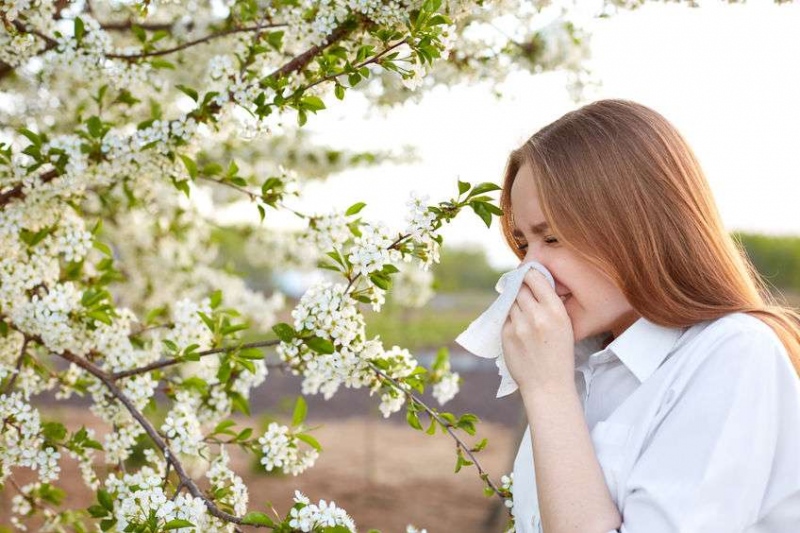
[299, 62]
[16, 191]
[364, 63]
[446, 425]
[169, 456]
[251, 195]
[195, 42]
[128, 24]
[174, 361]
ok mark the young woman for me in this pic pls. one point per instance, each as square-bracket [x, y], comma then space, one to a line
[659, 378]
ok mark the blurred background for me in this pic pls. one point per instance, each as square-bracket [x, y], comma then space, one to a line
[726, 75]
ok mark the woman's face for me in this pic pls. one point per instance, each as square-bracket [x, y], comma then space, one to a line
[594, 304]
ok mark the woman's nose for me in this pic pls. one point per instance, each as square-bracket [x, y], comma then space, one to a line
[533, 254]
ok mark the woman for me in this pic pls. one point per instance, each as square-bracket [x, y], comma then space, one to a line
[659, 379]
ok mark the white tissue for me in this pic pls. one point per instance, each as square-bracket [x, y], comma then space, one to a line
[483, 336]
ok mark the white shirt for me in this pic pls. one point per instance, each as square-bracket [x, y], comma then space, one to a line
[697, 430]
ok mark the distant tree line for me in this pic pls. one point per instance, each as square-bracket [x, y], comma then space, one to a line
[777, 259]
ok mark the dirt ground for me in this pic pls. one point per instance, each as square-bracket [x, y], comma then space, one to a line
[385, 474]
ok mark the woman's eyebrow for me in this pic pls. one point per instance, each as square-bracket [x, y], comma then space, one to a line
[536, 229]
[540, 228]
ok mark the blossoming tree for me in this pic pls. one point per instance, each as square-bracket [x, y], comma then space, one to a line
[116, 117]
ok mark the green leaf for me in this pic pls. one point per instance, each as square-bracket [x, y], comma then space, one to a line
[96, 511]
[161, 64]
[284, 331]
[463, 187]
[212, 169]
[240, 403]
[313, 103]
[191, 93]
[32, 137]
[171, 346]
[252, 353]
[177, 524]
[182, 186]
[380, 281]
[300, 411]
[481, 211]
[224, 427]
[311, 441]
[139, 32]
[480, 446]
[438, 20]
[224, 372]
[54, 431]
[413, 418]
[482, 188]
[275, 39]
[355, 208]
[105, 499]
[467, 423]
[254, 518]
[244, 434]
[95, 127]
[191, 166]
[80, 30]
[338, 91]
[104, 248]
[432, 427]
[320, 345]
[216, 298]
[389, 269]
[101, 316]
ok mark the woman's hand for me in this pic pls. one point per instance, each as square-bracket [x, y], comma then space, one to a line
[538, 343]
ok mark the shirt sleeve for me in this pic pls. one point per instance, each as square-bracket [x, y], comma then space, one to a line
[708, 462]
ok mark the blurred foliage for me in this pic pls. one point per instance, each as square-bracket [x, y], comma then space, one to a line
[436, 324]
[777, 258]
[464, 269]
[464, 282]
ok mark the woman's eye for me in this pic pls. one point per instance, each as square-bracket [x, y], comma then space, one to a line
[522, 246]
[550, 239]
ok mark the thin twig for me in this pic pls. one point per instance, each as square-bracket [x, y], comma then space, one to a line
[20, 359]
[16, 192]
[174, 361]
[253, 196]
[128, 24]
[358, 66]
[446, 425]
[299, 62]
[189, 44]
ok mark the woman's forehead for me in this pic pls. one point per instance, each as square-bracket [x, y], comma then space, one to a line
[525, 199]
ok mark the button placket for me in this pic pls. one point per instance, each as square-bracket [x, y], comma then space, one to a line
[583, 386]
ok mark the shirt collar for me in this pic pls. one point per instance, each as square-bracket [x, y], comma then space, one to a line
[641, 348]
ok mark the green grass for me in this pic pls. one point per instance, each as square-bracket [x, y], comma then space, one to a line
[432, 326]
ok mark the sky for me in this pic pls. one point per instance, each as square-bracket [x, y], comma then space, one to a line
[727, 76]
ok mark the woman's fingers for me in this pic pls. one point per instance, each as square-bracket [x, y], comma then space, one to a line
[540, 288]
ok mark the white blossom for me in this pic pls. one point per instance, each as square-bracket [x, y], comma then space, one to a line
[447, 388]
[281, 451]
[307, 516]
[371, 250]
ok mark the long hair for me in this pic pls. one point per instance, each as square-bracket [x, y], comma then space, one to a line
[619, 185]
